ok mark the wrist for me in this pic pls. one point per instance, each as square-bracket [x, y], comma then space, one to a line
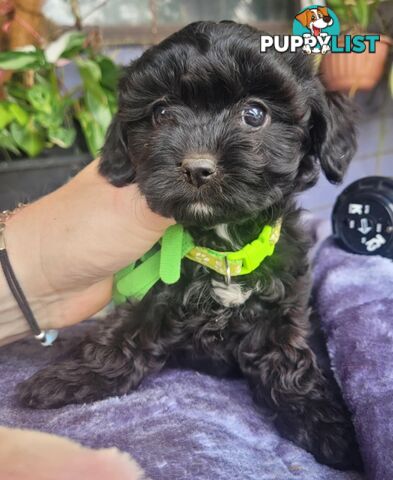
[65, 248]
[22, 247]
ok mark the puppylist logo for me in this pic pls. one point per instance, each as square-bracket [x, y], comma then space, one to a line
[316, 29]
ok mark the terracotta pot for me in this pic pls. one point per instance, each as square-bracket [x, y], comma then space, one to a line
[349, 72]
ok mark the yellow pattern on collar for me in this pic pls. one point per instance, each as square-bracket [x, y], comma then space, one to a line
[243, 261]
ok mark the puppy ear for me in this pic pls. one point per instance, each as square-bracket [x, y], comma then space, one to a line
[115, 163]
[303, 18]
[333, 138]
[324, 11]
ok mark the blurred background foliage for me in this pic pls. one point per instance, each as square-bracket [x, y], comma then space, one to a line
[39, 112]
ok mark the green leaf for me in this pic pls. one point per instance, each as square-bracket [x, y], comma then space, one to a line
[94, 98]
[92, 131]
[98, 105]
[6, 116]
[10, 111]
[54, 119]
[61, 136]
[16, 90]
[75, 45]
[66, 46]
[361, 13]
[14, 60]
[112, 101]
[40, 97]
[109, 72]
[8, 143]
[89, 71]
[19, 114]
[29, 138]
[44, 119]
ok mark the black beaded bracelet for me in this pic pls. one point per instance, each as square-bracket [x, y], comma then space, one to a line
[45, 337]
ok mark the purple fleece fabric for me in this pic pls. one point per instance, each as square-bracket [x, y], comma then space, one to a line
[354, 297]
[179, 425]
[183, 425]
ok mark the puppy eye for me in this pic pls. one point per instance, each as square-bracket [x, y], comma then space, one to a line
[160, 114]
[254, 115]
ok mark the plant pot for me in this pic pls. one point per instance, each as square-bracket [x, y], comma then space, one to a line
[27, 180]
[349, 72]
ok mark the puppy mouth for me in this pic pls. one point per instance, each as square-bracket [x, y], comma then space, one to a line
[197, 212]
[316, 31]
[201, 210]
[197, 209]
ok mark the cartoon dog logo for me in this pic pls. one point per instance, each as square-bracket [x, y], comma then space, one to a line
[315, 19]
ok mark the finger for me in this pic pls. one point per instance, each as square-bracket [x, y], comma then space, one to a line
[29, 455]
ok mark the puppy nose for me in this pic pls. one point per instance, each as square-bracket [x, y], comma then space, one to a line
[199, 170]
[327, 18]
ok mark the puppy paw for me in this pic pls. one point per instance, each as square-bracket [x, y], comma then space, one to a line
[60, 385]
[326, 431]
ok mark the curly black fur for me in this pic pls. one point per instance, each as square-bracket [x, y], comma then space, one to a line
[203, 77]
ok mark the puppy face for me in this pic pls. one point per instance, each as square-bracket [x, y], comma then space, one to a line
[213, 131]
[315, 19]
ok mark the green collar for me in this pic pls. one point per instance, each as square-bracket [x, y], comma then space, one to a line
[164, 263]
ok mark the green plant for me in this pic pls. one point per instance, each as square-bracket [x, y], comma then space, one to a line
[39, 112]
[355, 15]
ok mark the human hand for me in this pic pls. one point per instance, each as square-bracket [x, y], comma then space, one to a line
[29, 455]
[66, 247]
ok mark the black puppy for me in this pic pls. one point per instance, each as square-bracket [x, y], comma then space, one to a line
[222, 138]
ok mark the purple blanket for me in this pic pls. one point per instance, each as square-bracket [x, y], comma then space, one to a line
[354, 296]
[184, 425]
